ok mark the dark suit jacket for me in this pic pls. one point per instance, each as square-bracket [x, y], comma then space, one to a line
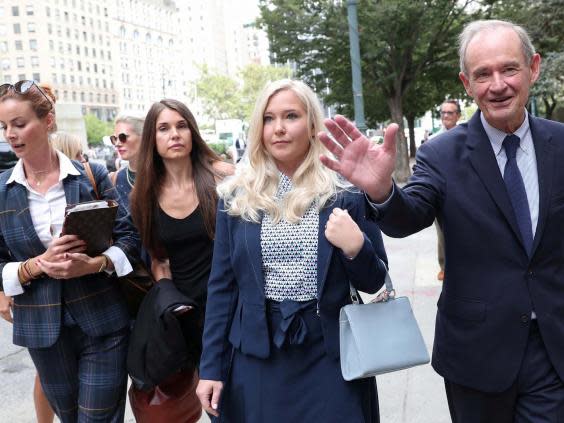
[236, 310]
[94, 301]
[491, 286]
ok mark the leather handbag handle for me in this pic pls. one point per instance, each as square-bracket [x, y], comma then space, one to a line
[90, 175]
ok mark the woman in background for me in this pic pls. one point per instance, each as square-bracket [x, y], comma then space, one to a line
[126, 140]
[290, 237]
[69, 145]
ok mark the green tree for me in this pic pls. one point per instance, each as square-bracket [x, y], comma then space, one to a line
[255, 77]
[400, 41]
[96, 129]
[220, 94]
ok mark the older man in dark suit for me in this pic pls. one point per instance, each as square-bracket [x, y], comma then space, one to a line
[496, 184]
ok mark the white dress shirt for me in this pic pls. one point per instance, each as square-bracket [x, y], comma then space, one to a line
[47, 214]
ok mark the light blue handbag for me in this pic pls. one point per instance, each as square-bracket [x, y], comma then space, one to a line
[379, 337]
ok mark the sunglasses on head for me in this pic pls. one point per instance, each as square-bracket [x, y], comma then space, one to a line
[22, 88]
[121, 137]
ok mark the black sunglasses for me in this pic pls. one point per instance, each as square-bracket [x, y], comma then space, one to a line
[22, 87]
[121, 137]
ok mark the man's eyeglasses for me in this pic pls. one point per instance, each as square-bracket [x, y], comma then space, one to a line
[448, 113]
[119, 137]
[22, 87]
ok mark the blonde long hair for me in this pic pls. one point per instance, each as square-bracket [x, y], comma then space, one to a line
[253, 187]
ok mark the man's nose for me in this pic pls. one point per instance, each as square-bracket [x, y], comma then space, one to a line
[498, 82]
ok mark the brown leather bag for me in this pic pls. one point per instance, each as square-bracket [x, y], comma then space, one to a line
[173, 400]
[136, 284]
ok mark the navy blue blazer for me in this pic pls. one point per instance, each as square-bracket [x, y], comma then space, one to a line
[94, 301]
[236, 308]
[491, 286]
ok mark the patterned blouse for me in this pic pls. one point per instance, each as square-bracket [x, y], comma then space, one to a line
[289, 253]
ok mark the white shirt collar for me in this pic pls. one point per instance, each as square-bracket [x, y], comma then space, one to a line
[65, 168]
[496, 136]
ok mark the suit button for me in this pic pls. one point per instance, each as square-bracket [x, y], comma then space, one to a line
[525, 318]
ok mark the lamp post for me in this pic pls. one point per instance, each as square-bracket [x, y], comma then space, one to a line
[355, 65]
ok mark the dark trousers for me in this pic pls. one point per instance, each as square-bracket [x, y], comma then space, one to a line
[84, 378]
[537, 396]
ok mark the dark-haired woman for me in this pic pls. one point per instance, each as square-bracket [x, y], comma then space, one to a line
[174, 199]
[66, 310]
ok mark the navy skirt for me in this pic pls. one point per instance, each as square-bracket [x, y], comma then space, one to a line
[299, 382]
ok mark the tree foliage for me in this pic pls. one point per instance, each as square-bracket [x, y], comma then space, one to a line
[96, 129]
[220, 95]
[407, 47]
[226, 98]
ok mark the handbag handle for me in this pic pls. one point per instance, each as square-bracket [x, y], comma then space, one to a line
[90, 175]
[388, 294]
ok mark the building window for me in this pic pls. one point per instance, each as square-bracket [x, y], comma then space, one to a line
[17, 28]
[20, 62]
[21, 77]
[64, 78]
[74, 96]
[8, 79]
[36, 77]
[34, 61]
[19, 45]
[50, 28]
[3, 46]
[33, 45]
[29, 10]
[15, 11]
[54, 78]
[48, 11]
[31, 27]
[51, 45]
[5, 64]
[1, 11]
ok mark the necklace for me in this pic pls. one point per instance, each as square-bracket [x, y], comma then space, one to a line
[38, 181]
[130, 176]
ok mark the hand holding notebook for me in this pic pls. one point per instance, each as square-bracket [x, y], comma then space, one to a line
[92, 222]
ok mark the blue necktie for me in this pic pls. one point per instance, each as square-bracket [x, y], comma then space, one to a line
[516, 190]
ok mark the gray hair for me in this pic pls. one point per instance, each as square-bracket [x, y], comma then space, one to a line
[135, 122]
[476, 27]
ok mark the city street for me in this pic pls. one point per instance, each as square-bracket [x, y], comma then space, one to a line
[409, 396]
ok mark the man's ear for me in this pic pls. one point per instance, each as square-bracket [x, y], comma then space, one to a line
[466, 82]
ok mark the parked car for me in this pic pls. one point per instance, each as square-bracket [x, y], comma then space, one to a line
[7, 157]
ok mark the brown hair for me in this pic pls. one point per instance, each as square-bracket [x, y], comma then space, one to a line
[151, 174]
[41, 99]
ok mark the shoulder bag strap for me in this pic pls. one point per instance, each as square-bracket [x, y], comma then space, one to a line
[90, 175]
[388, 293]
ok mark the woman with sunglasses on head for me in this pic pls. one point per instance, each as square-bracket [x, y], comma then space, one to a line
[290, 237]
[66, 309]
[173, 204]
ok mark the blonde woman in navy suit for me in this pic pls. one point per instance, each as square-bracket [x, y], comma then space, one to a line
[66, 309]
[290, 235]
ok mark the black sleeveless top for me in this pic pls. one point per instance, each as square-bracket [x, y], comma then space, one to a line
[189, 249]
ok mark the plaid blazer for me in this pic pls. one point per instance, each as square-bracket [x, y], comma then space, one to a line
[94, 301]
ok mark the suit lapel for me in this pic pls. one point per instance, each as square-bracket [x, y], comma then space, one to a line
[485, 164]
[545, 169]
[72, 189]
[324, 247]
[18, 196]
[252, 242]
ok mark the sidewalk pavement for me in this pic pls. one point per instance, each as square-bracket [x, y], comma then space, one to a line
[409, 396]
